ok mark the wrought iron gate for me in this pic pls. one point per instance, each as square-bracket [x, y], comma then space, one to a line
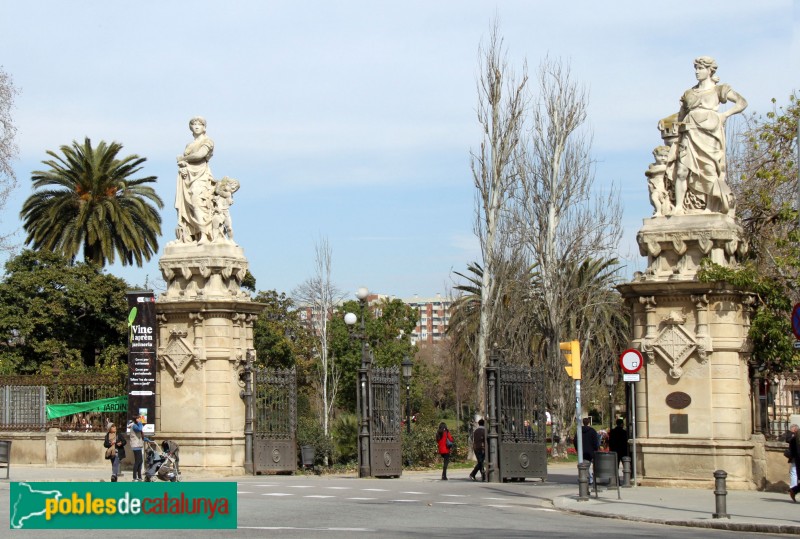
[275, 421]
[386, 449]
[517, 432]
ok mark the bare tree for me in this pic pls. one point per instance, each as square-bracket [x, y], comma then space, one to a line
[8, 148]
[319, 293]
[562, 223]
[501, 113]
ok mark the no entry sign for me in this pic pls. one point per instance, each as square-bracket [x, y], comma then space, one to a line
[631, 361]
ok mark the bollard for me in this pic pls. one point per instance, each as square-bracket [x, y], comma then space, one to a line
[720, 492]
[626, 472]
[583, 481]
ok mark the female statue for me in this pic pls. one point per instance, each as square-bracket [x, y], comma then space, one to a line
[195, 190]
[696, 164]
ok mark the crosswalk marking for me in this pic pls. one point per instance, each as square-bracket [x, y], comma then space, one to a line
[318, 496]
[404, 501]
[412, 492]
[451, 503]
[338, 488]
[375, 489]
[362, 499]
[300, 486]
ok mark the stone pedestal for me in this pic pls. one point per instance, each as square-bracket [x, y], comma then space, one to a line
[693, 401]
[205, 329]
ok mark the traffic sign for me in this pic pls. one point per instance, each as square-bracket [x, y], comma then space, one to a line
[631, 361]
[796, 320]
[631, 377]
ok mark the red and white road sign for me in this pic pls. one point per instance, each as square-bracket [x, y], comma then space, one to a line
[631, 361]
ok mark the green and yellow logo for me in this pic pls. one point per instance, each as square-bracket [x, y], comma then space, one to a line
[119, 505]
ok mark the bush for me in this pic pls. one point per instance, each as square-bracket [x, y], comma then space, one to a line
[345, 438]
[421, 449]
[309, 432]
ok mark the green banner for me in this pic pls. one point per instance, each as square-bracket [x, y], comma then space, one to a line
[110, 406]
[131, 506]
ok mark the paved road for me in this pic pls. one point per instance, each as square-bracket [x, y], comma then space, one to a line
[420, 505]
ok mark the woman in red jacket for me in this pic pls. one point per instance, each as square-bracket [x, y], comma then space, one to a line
[446, 444]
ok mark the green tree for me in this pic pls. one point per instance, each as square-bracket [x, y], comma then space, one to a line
[87, 200]
[55, 314]
[389, 324]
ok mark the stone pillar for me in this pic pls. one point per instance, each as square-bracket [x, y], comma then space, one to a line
[693, 400]
[205, 331]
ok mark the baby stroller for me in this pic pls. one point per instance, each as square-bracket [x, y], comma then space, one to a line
[162, 463]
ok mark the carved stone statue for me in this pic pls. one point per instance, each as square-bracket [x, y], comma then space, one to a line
[656, 172]
[195, 187]
[223, 200]
[696, 163]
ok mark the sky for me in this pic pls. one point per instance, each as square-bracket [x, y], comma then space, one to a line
[354, 120]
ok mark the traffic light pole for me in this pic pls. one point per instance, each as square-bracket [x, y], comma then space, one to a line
[579, 423]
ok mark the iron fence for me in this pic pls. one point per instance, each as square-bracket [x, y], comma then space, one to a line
[24, 400]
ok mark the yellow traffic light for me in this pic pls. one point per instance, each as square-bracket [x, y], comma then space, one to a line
[572, 353]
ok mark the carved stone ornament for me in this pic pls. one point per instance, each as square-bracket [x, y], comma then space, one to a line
[177, 355]
[674, 343]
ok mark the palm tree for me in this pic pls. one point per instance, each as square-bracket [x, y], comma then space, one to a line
[90, 202]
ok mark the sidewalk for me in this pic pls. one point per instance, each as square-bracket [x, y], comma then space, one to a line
[750, 511]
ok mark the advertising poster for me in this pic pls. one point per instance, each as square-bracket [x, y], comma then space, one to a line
[142, 343]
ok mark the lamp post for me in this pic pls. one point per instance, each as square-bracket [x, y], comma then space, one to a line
[408, 367]
[611, 379]
[362, 392]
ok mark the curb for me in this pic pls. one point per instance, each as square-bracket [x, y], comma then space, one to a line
[717, 524]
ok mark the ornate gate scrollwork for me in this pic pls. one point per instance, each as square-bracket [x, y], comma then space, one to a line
[517, 401]
[275, 421]
[386, 449]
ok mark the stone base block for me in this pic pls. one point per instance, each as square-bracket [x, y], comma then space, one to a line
[207, 454]
[692, 462]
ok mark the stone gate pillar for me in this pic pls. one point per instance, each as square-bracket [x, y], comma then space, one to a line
[205, 320]
[693, 401]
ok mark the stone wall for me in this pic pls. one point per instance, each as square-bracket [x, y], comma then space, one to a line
[60, 449]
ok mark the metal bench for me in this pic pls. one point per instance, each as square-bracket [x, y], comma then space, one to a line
[5, 456]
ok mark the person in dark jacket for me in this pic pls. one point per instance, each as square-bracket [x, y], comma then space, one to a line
[445, 442]
[794, 453]
[591, 443]
[618, 441]
[118, 453]
[479, 447]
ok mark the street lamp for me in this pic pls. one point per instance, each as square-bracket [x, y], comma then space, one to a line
[408, 366]
[364, 468]
[611, 379]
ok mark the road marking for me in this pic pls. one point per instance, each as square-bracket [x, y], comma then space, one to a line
[362, 499]
[412, 492]
[455, 495]
[243, 492]
[404, 501]
[451, 503]
[300, 486]
[338, 488]
[276, 494]
[375, 489]
[494, 498]
[500, 506]
[266, 484]
[318, 496]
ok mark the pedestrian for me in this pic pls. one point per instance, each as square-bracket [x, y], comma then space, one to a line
[618, 441]
[137, 445]
[590, 442]
[479, 447]
[527, 431]
[794, 461]
[115, 450]
[446, 443]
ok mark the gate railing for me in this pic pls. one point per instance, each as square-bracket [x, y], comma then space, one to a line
[24, 400]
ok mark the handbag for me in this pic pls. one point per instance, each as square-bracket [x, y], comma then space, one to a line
[787, 453]
[449, 444]
[111, 452]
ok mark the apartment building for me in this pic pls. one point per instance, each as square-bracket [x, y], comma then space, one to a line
[434, 316]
